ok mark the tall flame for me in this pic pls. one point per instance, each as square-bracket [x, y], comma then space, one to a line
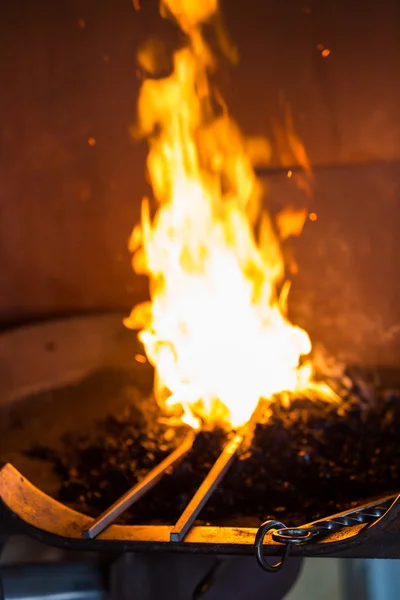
[216, 328]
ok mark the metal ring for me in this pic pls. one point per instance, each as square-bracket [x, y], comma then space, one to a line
[258, 543]
[297, 535]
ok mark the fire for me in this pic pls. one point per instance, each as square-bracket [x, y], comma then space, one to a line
[216, 329]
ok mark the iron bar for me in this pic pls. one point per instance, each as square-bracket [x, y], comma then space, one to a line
[139, 490]
[208, 486]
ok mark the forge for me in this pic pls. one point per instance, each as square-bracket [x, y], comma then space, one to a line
[199, 363]
[80, 428]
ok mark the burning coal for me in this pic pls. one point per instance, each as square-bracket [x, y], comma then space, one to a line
[216, 329]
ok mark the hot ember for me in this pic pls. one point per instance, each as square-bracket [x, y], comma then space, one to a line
[216, 328]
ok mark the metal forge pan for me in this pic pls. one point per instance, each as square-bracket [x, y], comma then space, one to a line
[60, 353]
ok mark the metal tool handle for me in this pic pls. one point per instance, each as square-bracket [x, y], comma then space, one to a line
[316, 531]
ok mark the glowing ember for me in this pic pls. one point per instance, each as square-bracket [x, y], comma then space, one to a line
[216, 328]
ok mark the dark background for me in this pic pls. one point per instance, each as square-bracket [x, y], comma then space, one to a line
[68, 73]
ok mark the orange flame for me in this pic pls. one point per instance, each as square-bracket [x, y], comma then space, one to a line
[216, 329]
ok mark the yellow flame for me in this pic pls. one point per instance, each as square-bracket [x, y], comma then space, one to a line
[216, 328]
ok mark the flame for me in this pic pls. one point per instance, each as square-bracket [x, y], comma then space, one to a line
[216, 329]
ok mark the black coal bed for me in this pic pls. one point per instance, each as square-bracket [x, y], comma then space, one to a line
[304, 462]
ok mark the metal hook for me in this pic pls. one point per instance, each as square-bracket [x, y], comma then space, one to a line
[258, 543]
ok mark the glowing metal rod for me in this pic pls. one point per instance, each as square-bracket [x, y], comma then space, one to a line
[139, 490]
[208, 486]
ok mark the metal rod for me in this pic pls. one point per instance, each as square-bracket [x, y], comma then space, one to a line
[208, 486]
[139, 490]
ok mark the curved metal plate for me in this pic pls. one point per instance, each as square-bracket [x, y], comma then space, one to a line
[60, 352]
[27, 509]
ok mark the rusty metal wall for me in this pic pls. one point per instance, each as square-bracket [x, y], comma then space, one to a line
[67, 74]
